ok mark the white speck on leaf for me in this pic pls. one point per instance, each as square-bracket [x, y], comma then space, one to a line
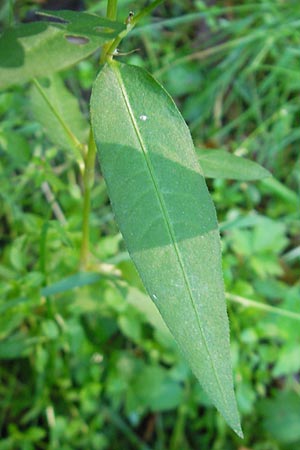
[97, 358]
[143, 117]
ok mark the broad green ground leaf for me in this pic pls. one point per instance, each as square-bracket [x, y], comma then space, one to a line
[281, 416]
[16, 148]
[222, 164]
[167, 219]
[67, 108]
[163, 393]
[38, 49]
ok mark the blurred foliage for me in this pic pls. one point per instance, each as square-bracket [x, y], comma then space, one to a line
[86, 361]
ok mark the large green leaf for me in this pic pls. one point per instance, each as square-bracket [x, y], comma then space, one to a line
[41, 48]
[222, 164]
[57, 109]
[167, 218]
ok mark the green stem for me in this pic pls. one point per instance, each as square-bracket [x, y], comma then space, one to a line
[43, 248]
[111, 13]
[178, 439]
[178, 432]
[247, 303]
[111, 10]
[146, 11]
[76, 144]
[88, 181]
[110, 49]
[122, 426]
[10, 13]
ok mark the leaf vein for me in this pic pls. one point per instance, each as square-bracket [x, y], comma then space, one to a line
[167, 220]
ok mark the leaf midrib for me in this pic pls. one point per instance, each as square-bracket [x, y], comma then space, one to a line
[166, 219]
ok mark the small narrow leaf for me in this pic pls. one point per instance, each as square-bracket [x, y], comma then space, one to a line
[42, 48]
[167, 219]
[221, 164]
[68, 115]
[73, 281]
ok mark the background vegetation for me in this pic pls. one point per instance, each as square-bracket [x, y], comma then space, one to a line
[86, 361]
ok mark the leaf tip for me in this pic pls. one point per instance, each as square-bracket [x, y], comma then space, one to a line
[232, 419]
[238, 430]
[266, 174]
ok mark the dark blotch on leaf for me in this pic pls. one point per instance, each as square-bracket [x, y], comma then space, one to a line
[77, 40]
[49, 18]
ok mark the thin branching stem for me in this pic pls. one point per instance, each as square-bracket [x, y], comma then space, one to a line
[88, 181]
[111, 10]
[109, 52]
[247, 303]
[111, 14]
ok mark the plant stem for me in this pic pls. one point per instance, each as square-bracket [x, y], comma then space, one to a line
[10, 13]
[111, 10]
[247, 303]
[88, 181]
[178, 440]
[111, 13]
[146, 11]
[108, 50]
[120, 424]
